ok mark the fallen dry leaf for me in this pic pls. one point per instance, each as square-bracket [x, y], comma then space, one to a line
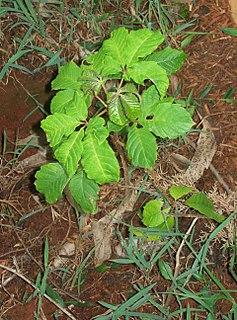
[204, 153]
[103, 229]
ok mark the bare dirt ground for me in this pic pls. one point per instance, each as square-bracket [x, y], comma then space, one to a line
[212, 61]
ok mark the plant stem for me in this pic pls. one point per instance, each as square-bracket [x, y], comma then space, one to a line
[102, 112]
[102, 101]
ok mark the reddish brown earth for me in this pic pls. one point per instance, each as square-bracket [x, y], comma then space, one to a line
[212, 60]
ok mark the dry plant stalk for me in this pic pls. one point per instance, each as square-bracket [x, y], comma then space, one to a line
[233, 9]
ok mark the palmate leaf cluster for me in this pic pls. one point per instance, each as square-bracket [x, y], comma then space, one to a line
[130, 82]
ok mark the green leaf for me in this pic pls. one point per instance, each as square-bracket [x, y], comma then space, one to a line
[61, 100]
[88, 99]
[141, 147]
[112, 127]
[102, 64]
[230, 31]
[168, 224]
[150, 98]
[84, 191]
[78, 108]
[169, 59]
[123, 108]
[124, 49]
[96, 126]
[141, 43]
[91, 81]
[152, 215]
[149, 70]
[129, 88]
[57, 126]
[167, 120]
[99, 161]
[70, 102]
[115, 46]
[178, 192]
[68, 77]
[116, 111]
[51, 180]
[202, 204]
[143, 235]
[70, 151]
[165, 269]
[131, 106]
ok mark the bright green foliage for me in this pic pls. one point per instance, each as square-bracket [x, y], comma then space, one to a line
[115, 47]
[96, 127]
[70, 151]
[167, 120]
[128, 48]
[58, 126]
[202, 204]
[84, 191]
[99, 161]
[140, 44]
[197, 201]
[178, 192]
[149, 70]
[70, 102]
[68, 77]
[142, 147]
[152, 215]
[117, 105]
[128, 83]
[169, 59]
[51, 180]
[61, 100]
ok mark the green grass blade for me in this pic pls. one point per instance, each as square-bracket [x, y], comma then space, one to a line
[24, 11]
[220, 285]
[18, 55]
[18, 66]
[131, 301]
[28, 215]
[55, 59]
[31, 10]
[26, 38]
[183, 26]
[46, 252]
[205, 91]
[4, 146]
[211, 237]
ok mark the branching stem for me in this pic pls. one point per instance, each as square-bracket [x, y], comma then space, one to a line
[102, 101]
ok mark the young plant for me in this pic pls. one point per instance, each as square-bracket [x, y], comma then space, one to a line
[118, 91]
